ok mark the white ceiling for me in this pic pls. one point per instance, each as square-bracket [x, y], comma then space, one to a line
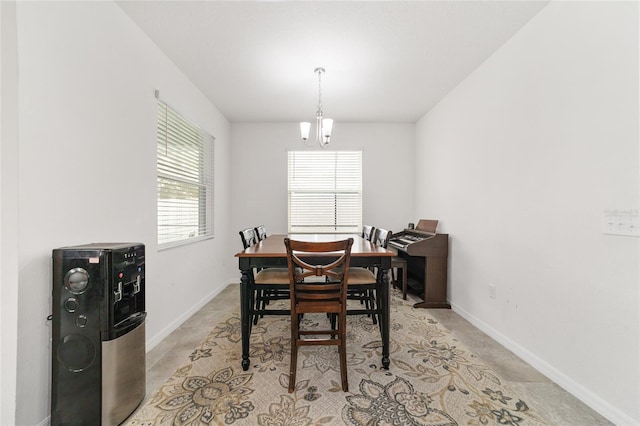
[388, 61]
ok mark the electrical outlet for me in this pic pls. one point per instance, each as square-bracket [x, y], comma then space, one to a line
[621, 222]
[492, 291]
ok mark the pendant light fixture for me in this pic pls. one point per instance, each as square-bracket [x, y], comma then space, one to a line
[323, 125]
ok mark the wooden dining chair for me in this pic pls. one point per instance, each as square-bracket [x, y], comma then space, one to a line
[318, 272]
[270, 283]
[362, 284]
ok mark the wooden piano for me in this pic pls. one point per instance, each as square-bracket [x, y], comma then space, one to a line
[426, 253]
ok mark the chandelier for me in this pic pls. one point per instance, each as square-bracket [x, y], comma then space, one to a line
[323, 125]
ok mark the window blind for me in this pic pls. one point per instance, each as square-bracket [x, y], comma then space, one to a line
[325, 191]
[185, 179]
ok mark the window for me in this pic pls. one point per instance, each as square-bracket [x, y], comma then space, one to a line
[185, 179]
[325, 191]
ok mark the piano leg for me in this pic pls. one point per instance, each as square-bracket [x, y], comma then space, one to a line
[435, 284]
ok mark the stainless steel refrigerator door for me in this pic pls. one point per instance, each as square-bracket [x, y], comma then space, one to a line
[123, 375]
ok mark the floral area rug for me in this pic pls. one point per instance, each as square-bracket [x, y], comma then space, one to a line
[432, 379]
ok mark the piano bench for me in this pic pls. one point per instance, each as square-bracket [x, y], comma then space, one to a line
[401, 264]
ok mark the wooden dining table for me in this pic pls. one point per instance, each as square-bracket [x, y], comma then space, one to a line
[271, 252]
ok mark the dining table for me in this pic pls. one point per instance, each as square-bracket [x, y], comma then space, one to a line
[271, 253]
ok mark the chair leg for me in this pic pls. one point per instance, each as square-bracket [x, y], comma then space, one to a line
[259, 304]
[292, 369]
[367, 300]
[332, 321]
[255, 300]
[371, 304]
[264, 300]
[378, 310]
[255, 316]
[404, 283]
[293, 366]
[342, 348]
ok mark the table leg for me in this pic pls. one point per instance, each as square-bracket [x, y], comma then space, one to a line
[385, 319]
[245, 315]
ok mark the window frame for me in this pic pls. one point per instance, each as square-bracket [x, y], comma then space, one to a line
[184, 165]
[315, 184]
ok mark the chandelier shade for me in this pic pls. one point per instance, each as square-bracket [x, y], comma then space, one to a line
[327, 126]
[305, 128]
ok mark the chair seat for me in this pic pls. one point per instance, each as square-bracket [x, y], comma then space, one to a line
[272, 276]
[358, 276]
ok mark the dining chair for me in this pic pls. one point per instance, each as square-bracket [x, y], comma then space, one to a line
[248, 237]
[361, 294]
[267, 296]
[354, 293]
[318, 285]
[261, 232]
[399, 263]
[367, 232]
[270, 283]
[381, 237]
[362, 283]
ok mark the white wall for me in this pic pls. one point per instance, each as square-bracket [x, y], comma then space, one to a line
[520, 161]
[8, 211]
[87, 171]
[259, 174]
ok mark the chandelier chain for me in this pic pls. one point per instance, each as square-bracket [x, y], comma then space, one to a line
[320, 71]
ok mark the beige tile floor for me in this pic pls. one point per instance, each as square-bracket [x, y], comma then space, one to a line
[554, 404]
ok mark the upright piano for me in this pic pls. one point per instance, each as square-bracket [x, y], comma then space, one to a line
[426, 253]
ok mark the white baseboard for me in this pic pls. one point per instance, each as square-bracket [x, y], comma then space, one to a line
[585, 395]
[155, 340]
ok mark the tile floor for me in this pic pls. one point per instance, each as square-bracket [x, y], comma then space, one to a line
[554, 404]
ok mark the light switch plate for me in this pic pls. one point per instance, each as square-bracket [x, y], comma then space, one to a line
[621, 222]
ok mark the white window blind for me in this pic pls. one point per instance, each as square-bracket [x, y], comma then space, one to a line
[325, 191]
[185, 179]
